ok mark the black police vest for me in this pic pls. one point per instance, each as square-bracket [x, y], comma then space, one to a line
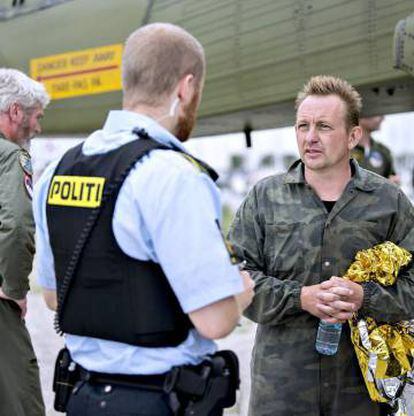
[111, 295]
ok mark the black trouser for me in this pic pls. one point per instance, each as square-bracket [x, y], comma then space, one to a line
[115, 400]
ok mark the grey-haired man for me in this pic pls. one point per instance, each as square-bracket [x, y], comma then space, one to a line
[22, 101]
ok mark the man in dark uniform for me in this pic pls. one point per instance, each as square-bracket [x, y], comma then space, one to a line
[372, 155]
[22, 101]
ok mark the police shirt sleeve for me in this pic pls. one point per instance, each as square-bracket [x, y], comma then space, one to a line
[17, 225]
[181, 216]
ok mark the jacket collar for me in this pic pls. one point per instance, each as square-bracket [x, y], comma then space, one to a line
[360, 177]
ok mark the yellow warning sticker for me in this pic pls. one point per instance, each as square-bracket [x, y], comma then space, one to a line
[76, 191]
[85, 72]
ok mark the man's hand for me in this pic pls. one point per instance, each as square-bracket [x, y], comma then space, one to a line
[351, 295]
[245, 298]
[21, 303]
[310, 302]
[334, 301]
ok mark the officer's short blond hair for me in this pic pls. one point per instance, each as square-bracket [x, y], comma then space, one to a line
[329, 85]
[155, 58]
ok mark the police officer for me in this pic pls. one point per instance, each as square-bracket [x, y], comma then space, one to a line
[22, 101]
[129, 247]
[373, 155]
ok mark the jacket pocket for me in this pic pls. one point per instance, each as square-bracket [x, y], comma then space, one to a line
[284, 249]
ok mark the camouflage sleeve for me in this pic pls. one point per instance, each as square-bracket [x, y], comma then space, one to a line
[275, 300]
[16, 226]
[396, 302]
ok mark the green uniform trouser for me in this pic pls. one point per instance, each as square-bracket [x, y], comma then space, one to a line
[20, 392]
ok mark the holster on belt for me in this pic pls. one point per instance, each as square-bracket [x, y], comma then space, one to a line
[64, 380]
[202, 390]
[205, 389]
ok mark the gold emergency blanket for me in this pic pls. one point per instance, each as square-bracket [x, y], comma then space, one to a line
[385, 352]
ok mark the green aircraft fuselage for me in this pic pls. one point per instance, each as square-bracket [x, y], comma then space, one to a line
[259, 54]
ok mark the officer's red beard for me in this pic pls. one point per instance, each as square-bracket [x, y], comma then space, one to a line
[186, 123]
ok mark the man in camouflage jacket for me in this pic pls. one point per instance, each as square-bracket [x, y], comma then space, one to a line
[298, 233]
[22, 101]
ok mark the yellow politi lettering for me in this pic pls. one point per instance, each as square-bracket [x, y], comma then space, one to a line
[76, 191]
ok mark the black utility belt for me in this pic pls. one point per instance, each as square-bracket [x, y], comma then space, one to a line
[200, 390]
[153, 382]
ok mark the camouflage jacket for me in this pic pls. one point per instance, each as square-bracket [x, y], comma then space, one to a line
[289, 240]
[378, 160]
[16, 219]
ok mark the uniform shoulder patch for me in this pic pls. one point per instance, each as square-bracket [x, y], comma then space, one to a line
[28, 184]
[26, 162]
[376, 159]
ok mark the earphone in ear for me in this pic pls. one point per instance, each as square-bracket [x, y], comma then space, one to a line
[174, 106]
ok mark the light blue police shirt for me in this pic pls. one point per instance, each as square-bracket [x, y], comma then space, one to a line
[165, 212]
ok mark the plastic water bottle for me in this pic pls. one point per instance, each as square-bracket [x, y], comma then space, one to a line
[327, 338]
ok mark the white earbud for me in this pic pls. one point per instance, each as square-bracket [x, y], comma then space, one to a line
[174, 106]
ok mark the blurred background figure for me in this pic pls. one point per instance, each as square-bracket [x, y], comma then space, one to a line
[373, 155]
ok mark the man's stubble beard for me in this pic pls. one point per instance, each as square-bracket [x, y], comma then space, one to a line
[186, 123]
[26, 134]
